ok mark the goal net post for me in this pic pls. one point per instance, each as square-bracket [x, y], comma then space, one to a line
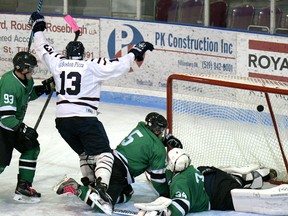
[226, 120]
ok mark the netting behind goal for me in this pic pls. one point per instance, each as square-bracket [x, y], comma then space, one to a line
[227, 120]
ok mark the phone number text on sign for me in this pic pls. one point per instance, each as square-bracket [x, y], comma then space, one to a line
[217, 66]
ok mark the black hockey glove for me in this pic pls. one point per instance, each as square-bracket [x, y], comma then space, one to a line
[139, 49]
[172, 142]
[37, 22]
[26, 132]
[46, 87]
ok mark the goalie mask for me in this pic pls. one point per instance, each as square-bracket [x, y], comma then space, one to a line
[24, 60]
[178, 160]
[156, 123]
[75, 50]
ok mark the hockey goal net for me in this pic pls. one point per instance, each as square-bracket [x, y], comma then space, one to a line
[225, 120]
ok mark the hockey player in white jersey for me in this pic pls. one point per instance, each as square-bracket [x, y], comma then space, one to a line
[78, 86]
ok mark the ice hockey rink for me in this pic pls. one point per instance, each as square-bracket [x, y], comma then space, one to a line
[57, 159]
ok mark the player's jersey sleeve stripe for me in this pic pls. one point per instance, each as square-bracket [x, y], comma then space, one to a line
[7, 113]
[103, 60]
[158, 175]
[182, 205]
[27, 164]
[89, 99]
[8, 108]
[77, 103]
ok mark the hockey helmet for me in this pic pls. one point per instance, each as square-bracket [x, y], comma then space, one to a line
[75, 50]
[178, 160]
[24, 60]
[156, 123]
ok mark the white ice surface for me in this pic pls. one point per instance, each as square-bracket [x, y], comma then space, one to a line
[57, 159]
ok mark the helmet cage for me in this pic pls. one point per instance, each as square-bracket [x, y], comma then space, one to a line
[178, 160]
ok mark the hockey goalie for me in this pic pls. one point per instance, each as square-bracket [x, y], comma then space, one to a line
[210, 188]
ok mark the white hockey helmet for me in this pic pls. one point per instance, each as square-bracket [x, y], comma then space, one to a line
[178, 160]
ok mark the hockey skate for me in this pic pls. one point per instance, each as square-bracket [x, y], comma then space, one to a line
[25, 193]
[67, 186]
[101, 198]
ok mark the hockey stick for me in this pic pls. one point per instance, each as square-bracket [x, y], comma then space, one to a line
[46, 103]
[69, 19]
[29, 46]
[32, 34]
[124, 212]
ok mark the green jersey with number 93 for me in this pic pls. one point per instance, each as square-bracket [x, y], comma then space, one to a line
[14, 99]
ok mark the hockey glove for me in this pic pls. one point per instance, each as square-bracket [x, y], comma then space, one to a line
[172, 142]
[139, 50]
[26, 132]
[46, 87]
[125, 195]
[155, 208]
[37, 22]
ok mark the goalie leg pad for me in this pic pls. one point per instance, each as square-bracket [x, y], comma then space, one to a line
[257, 181]
[247, 172]
[255, 178]
[252, 175]
[240, 170]
[272, 201]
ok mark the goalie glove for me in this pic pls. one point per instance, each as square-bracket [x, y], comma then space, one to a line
[37, 22]
[157, 207]
[170, 141]
[139, 50]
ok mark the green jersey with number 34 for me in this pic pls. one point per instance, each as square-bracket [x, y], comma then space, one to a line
[187, 192]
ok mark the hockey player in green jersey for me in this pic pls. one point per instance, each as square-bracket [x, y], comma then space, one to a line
[142, 150]
[186, 186]
[16, 90]
[196, 190]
